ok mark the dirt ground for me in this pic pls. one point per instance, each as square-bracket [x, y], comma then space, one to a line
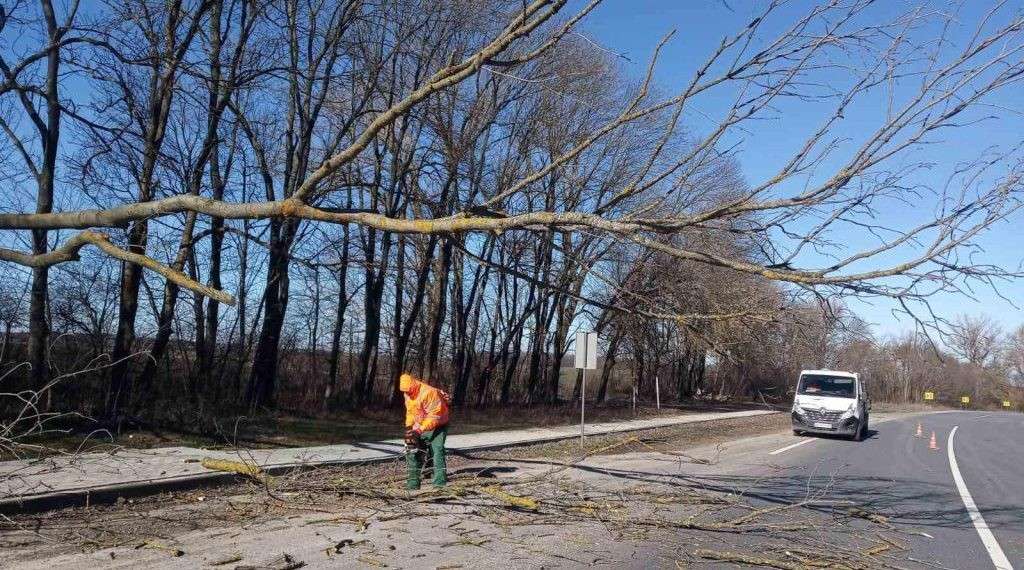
[622, 501]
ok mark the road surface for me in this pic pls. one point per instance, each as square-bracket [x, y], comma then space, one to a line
[896, 474]
[889, 501]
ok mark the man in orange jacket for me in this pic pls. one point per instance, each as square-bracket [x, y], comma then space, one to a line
[426, 425]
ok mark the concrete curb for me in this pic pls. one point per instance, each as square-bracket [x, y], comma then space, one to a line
[105, 494]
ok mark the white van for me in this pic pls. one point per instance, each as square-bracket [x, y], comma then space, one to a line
[832, 402]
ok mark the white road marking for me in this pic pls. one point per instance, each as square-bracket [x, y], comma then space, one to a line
[788, 447]
[995, 552]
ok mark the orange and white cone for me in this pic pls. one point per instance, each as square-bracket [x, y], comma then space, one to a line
[918, 433]
[932, 444]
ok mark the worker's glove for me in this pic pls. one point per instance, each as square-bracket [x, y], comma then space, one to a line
[412, 439]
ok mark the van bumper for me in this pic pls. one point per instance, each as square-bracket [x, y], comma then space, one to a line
[839, 427]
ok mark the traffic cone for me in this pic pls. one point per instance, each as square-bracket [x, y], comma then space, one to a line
[932, 444]
[919, 433]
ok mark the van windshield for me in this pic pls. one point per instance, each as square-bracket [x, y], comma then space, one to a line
[822, 385]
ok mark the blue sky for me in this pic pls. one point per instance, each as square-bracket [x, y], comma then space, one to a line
[634, 28]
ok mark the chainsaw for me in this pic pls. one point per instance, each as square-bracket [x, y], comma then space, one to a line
[413, 443]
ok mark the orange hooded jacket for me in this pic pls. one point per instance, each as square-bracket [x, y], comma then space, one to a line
[426, 407]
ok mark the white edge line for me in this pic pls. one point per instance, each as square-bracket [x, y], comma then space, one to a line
[788, 447]
[995, 552]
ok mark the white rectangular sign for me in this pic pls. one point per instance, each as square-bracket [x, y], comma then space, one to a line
[586, 350]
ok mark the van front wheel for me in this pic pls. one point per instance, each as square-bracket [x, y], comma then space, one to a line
[862, 429]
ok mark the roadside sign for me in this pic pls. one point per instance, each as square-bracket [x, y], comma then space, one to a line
[929, 395]
[586, 359]
[1007, 403]
[965, 399]
[586, 350]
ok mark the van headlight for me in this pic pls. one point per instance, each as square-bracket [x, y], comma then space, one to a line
[849, 411]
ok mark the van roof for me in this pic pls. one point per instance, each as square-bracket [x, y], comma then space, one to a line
[830, 372]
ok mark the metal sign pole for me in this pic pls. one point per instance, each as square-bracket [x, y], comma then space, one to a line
[586, 359]
[583, 406]
[657, 392]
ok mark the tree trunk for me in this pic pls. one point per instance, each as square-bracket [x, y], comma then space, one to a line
[198, 373]
[128, 306]
[339, 323]
[467, 329]
[263, 378]
[366, 379]
[209, 346]
[402, 343]
[160, 90]
[460, 335]
[511, 364]
[243, 307]
[438, 309]
[38, 323]
[558, 347]
[609, 364]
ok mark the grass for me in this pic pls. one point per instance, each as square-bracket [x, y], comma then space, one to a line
[290, 430]
[910, 407]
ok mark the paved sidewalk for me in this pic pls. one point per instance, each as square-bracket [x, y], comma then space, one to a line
[60, 480]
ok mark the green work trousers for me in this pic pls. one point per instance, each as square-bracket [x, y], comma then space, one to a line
[434, 442]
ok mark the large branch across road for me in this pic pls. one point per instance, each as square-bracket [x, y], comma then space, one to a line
[771, 71]
[633, 229]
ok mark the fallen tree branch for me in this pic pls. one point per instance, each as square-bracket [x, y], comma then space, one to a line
[71, 248]
[240, 467]
[725, 556]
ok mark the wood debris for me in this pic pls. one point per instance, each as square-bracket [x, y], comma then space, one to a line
[869, 516]
[513, 500]
[176, 552]
[283, 562]
[741, 558]
[240, 467]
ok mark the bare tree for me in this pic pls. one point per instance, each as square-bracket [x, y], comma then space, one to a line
[11, 302]
[1014, 353]
[37, 91]
[976, 339]
[484, 147]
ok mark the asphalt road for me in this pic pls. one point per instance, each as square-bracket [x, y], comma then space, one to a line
[897, 475]
[892, 474]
